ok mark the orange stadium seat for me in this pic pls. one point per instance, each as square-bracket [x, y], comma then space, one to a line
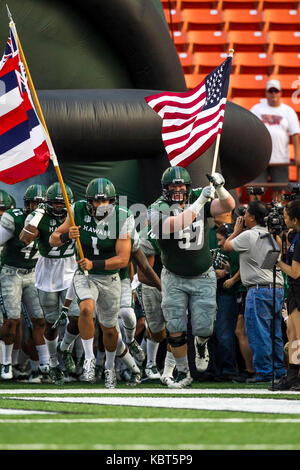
[193, 80]
[212, 41]
[237, 19]
[183, 4]
[247, 85]
[286, 62]
[246, 102]
[281, 20]
[197, 19]
[187, 62]
[284, 41]
[254, 62]
[169, 3]
[205, 62]
[181, 41]
[251, 41]
[292, 103]
[174, 19]
[288, 4]
[289, 83]
[249, 4]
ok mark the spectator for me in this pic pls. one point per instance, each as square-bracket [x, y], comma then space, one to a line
[259, 300]
[282, 122]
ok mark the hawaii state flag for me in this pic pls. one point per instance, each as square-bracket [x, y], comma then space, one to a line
[192, 120]
[24, 151]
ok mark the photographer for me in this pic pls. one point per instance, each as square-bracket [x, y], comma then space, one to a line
[292, 220]
[259, 299]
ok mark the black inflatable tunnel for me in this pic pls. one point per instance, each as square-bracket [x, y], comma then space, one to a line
[94, 62]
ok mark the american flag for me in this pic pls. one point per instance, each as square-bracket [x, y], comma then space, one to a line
[24, 151]
[192, 120]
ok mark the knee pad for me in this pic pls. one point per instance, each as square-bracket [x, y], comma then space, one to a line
[128, 317]
[177, 341]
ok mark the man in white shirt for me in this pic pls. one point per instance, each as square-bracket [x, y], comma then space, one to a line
[282, 122]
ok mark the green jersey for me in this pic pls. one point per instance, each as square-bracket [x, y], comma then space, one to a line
[46, 227]
[186, 252]
[16, 253]
[150, 247]
[98, 238]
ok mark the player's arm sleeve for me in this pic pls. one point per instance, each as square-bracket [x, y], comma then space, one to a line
[7, 222]
[5, 235]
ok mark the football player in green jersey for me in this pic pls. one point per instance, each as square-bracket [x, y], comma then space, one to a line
[18, 278]
[53, 277]
[179, 221]
[151, 299]
[105, 233]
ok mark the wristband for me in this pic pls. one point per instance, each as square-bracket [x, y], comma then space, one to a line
[36, 219]
[222, 193]
[99, 264]
[197, 205]
[64, 237]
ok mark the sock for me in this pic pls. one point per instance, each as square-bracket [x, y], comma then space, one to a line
[202, 340]
[15, 357]
[129, 322]
[110, 360]
[182, 364]
[8, 348]
[100, 357]
[88, 348]
[2, 351]
[43, 353]
[79, 351]
[169, 364]
[130, 362]
[144, 345]
[52, 348]
[67, 341]
[152, 348]
[34, 365]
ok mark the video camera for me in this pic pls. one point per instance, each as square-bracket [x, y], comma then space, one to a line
[294, 192]
[255, 191]
[275, 220]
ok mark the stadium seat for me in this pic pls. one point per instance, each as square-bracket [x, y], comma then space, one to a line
[193, 80]
[183, 4]
[230, 4]
[286, 62]
[251, 41]
[281, 20]
[247, 85]
[169, 3]
[289, 83]
[284, 41]
[246, 102]
[202, 19]
[237, 19]
[176, 17]
[208, 41]
[181, 41]
[288, 4]
[292, 103]
[254, 63]
[205, 62]
[187, 62]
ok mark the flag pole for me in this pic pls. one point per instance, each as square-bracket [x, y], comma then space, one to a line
[42, 119]
[216, 154]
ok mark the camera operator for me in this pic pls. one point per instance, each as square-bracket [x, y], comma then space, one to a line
[259, 299]
[292, 268]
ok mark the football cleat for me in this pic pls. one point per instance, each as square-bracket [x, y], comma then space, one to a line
[19, 374]
[167, 379]
[201, 356]
[110, 378]
[135, 379]
[136, 351]
[6, 372]
[88, 371]
[182, 380]
[68, 361]
[56, 375]
[44, 368]
[152, 372]
[35, 377]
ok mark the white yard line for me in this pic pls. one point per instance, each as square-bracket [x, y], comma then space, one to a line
[144, 391]
[150, 420]
[239, 404]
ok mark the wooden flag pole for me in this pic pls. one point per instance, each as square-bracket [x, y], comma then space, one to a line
[42, 119]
